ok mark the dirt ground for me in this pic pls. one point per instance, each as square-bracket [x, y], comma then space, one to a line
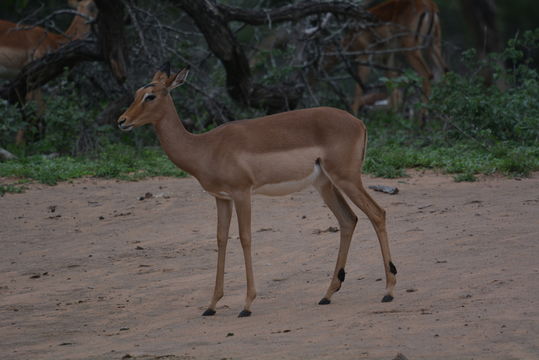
[90, 271]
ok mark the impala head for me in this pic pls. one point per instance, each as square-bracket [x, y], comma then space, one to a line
[152, 100]
[80, 26]
[86, 7]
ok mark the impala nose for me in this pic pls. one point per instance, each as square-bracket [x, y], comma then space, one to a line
[121, 124]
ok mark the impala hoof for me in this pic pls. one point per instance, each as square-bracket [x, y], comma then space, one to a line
[244, 313]
[387, 298]
[209, 312]
[324, 301]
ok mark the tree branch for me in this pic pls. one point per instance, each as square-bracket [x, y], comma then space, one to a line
[295, 12]
[42, 70]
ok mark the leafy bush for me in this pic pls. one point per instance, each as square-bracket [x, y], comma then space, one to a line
[11, 188]
[114, 161]
[467, 107]
[12, 120]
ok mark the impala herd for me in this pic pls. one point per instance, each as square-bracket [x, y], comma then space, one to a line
[272, 155]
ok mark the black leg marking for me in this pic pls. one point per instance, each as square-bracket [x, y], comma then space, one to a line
[341, 275]
[387, 298]
[392, 268]
[244, 313]
[324, 301]
[209, 312]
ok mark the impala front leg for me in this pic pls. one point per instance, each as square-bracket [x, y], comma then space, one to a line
[224, 213]
[243, 211]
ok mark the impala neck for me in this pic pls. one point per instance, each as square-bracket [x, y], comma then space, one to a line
[78, 28]
[184, 149]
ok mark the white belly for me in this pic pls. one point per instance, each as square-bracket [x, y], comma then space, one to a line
[288, 187]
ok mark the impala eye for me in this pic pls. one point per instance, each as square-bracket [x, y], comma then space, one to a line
[149, 97]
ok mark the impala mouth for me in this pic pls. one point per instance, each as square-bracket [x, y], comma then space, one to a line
[122, 126]
[125, 128]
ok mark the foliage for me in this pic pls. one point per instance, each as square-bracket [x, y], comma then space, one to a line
[465, 159]
[466, 107]
[473, 127]
[12, 121]
[11, 188]
[115, 161]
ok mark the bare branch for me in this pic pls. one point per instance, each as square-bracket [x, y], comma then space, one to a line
[295, 12]
[42, 70]
[149, 55]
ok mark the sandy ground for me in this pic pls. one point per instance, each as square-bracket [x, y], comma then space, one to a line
[89, 271]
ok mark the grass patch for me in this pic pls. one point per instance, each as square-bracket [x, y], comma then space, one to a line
[465, 177]
[115, 161]
[464, 159]
[11, 188]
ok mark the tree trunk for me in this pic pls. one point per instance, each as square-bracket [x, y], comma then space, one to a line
[212, 20]
[223, 44]
[110, 25]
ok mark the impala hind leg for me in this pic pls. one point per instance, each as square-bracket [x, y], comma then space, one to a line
[224, 213]
[360, 197]
[347, 223]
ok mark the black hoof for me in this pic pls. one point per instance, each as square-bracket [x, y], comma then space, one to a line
[244, 313]
[324, 301]
[387, 298]
[209, 312]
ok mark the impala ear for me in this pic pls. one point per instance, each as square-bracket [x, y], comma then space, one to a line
[176, 80]
[162, 74]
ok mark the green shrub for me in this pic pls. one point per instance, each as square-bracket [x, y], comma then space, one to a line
[466, 107]
[10, 188]
[465, 177]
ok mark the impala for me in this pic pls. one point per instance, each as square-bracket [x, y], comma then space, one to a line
[412, 26]
[272, 155]
[21, 44]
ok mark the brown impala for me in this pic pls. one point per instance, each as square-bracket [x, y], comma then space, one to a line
[21, 44]
[272, 155]
[409, 25]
